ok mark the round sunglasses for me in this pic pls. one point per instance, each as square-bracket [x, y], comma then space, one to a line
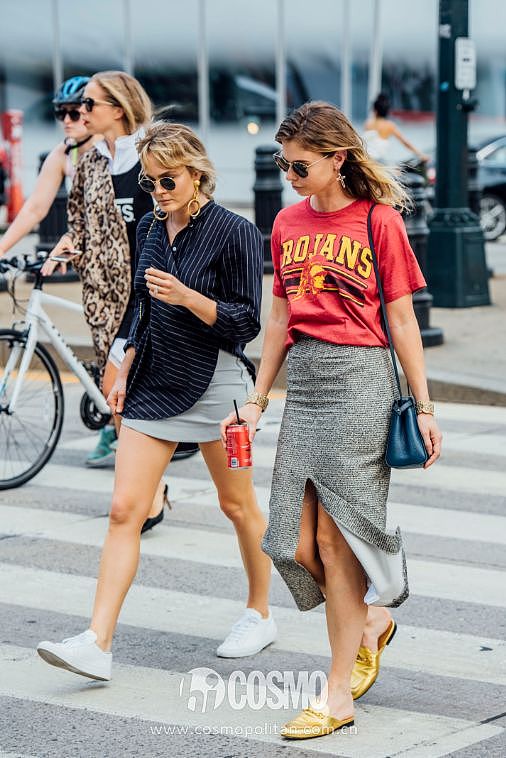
[298, 167]
[72, 113]
[149, 185]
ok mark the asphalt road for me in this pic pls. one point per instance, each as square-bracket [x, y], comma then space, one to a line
[442, 685]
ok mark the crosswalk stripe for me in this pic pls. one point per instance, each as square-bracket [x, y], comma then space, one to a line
[446, 522]
[441, 476]
[102, 480]
[454, 478]
[154, 695]
[439, 653]
[479, 443]
[416, 519]
[480, 414]
[449, 581]
[449, 743]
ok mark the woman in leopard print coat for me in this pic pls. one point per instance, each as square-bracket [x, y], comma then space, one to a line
[105, 205]
[96, 227]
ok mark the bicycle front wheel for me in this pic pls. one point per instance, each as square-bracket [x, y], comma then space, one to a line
[29, 433]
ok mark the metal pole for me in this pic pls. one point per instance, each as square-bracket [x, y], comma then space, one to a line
[128, 53]
[281, 64]
[203, 73]
[57, 56]
[376, 56]
[346, 60]
[268, 191]
[456, 264]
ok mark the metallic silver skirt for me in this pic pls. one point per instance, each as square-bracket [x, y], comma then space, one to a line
[333, 433]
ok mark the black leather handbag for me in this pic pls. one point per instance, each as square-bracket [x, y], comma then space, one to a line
[405, 446]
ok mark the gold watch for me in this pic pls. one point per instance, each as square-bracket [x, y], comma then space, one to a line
[256, 398]
[425, 406]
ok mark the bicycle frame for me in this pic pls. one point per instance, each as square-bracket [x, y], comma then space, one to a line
[37, 320]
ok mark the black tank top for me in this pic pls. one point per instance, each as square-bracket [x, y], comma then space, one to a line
[133, 203]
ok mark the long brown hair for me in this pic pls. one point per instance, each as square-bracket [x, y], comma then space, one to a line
[323, 128]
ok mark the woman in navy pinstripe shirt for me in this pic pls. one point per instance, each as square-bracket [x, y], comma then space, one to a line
[198, 290]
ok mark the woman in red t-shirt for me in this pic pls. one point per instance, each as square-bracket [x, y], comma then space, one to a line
[327, 529]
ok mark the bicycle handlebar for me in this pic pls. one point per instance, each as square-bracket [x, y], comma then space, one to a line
[23, 262]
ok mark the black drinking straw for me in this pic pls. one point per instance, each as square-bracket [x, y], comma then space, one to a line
[237, 412]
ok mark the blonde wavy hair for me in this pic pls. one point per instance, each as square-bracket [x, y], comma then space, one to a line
[323, 128]
[174, 145]
[124, 90]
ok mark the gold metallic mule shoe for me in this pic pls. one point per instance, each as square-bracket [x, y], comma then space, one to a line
[310, 723]
[366, 668]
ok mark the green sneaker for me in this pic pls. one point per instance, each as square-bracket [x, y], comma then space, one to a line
[103, 455]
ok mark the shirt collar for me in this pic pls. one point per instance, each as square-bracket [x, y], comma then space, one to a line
[203, 211]
[125, 153]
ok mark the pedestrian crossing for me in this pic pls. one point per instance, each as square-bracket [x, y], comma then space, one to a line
[146, 694]
[184, 613]
[464, 583]
[441, 689]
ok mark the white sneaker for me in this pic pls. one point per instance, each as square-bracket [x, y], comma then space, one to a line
[79, 654]
[249, 635]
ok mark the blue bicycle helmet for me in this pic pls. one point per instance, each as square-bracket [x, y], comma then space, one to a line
[71, 91]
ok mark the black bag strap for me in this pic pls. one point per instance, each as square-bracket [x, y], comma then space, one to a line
[379, 284]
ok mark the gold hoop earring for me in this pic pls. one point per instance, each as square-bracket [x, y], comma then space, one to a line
[159, 214]
[340, 178]
[194, 202]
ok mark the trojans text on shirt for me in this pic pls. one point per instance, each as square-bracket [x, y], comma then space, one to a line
[340, 250]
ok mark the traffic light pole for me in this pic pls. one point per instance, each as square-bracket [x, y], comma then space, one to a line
[457, 269]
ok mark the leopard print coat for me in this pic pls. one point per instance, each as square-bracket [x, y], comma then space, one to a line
[97, 228]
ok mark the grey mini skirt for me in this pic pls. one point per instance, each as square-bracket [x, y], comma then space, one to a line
[333, 433]
[201, 423]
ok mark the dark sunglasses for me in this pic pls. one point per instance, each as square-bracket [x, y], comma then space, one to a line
[149, 185]
[299, 167]
[72, 113]
[89, 103]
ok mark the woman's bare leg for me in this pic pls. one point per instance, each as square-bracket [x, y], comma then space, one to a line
[140, 463]
[346, 611]
[378, 619]
[307, 553]
[238, 502]
[110, 374]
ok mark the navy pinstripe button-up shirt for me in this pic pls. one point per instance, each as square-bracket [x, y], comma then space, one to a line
[220, 255]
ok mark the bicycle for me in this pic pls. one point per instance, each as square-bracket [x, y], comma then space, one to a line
[31, 392]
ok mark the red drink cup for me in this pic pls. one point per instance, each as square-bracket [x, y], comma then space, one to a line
[238, 446]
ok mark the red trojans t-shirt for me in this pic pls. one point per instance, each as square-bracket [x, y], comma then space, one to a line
[323, 266]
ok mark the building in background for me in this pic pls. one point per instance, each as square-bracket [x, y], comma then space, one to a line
[231, 67]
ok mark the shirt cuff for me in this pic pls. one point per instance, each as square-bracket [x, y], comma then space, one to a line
[222, 321]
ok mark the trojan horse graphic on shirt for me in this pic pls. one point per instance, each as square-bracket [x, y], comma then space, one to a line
[312, 264]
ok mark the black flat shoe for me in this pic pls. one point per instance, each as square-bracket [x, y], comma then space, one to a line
[154, 520]
[185, 450]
